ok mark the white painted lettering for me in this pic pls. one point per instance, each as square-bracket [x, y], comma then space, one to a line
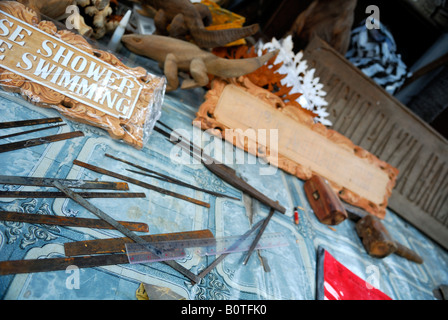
[4, 28]
[27, 61]
[66, 57]
[47, 49]
[43, 70]
[3, 49]
[16, 34]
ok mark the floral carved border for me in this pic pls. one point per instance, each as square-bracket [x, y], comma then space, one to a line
[206, 120]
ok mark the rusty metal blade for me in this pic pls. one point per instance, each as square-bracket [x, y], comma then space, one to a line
[55, 194]
[117, 245]
[70, 183]
[89, 261]
[31, 131]
[32, 122]
[68, 221]
[38, 141]
[140, 183]
[53, 264]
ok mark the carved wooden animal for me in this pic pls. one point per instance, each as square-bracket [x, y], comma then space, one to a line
[331, 20]
[50, 8]
[184, 18]
[177, 54]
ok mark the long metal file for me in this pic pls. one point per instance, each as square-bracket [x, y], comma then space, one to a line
[163, 177]
[55, 194]
[31, 131]
[67, 221]
[38, 141]
[69, 183]
[140, 183]
[31, 122]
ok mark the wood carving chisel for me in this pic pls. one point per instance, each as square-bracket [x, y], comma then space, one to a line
[67, 221]
[39, 141]
[55, 194]
[32, 122]
[166, 178]
[216, 194]
[128, 233]
[140, 183]
[31, 131]
[70, 183]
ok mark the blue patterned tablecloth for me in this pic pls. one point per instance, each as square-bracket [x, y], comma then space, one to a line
[292, 269]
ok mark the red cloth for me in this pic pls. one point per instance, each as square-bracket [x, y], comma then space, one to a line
[342, 284]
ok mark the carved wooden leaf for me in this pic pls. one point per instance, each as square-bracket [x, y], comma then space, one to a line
[266, 77]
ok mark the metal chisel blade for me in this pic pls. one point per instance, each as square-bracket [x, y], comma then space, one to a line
[55, 194]
[31, 131]
[68, 221]
[38, 141]
[70, 183]
[32, 122]
[140, 183]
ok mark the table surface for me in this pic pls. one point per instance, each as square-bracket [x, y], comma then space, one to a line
[292, 272]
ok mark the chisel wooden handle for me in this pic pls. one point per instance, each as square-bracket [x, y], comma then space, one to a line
[323, 200]
[375, 237]
[378, 242]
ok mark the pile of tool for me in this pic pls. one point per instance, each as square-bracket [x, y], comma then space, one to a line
[103, 252]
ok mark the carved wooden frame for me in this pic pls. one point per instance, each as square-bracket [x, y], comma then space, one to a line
[129, 130]
[206, 120]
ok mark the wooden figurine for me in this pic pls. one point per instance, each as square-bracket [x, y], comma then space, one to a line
[177, 54]
[330, 20]
[181, 18]
[95, 17]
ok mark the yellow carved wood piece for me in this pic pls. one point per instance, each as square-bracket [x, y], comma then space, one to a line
[224, 19]
[61, 70]
[298, 145]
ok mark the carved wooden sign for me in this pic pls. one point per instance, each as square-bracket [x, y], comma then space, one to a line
[303, 148]
[60, 69]
[373, 119]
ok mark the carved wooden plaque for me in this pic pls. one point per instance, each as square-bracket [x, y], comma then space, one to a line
[60, 69]
[373, 119]
[301, 147]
